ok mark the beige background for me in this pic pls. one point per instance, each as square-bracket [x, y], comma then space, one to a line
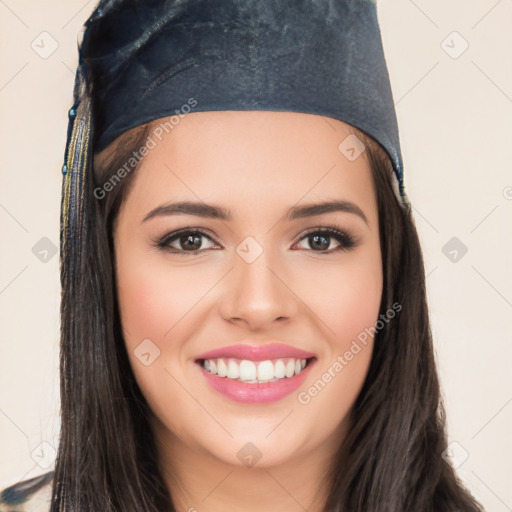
[454, 108]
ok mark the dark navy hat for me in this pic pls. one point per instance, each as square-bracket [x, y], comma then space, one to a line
[147, 59]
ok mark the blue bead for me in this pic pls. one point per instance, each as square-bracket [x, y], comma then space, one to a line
[64, 169]
[72, 112]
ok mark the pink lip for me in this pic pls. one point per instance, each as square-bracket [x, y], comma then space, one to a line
[257, 352]
[257, 393]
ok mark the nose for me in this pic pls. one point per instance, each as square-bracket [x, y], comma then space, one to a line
[257, 294]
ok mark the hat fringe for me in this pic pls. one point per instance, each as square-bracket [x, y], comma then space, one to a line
[77, 159]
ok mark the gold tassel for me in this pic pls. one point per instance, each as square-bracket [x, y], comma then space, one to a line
[73, 189]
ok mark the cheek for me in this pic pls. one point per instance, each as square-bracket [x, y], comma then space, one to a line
[141, 302]
[151, 301]
[155, 306]
[347, 296]
[353, 304]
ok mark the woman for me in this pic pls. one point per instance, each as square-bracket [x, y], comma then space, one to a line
[244, 321]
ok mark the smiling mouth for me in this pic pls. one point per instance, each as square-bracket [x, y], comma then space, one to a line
[255, 372]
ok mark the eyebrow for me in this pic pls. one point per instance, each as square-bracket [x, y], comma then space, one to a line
[215, 212]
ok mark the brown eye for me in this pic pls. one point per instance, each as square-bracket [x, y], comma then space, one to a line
[192, 242]
[185, 242]
[320, 240]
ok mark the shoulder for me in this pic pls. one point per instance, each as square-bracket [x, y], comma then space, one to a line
[31, 495]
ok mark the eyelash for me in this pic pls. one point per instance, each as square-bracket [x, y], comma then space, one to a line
[346, 240]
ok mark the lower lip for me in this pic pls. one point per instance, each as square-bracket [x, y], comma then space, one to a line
[256, 393]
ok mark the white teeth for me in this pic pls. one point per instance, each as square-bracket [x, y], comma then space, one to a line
[254, 372]
[222, 370]
[290, 368]
[279, 369]
[266, 370]
[233, 370]
[247, 370]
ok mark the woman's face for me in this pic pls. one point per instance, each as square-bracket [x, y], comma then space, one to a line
[252, 266]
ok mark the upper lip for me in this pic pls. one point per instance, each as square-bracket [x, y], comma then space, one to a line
[257, 352]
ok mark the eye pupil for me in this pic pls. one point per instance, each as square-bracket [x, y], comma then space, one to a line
[319, 241]
[192, 242]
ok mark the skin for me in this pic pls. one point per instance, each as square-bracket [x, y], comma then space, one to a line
[257, 164]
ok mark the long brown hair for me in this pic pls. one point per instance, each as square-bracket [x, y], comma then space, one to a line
[391, 459]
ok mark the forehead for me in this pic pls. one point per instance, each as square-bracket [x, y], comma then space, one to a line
[254, 158]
